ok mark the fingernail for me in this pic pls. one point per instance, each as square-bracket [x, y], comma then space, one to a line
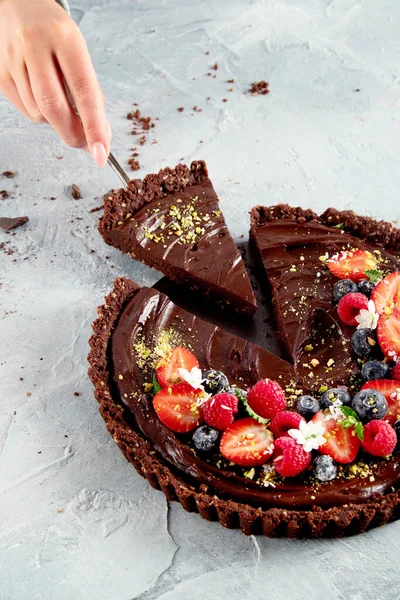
[99, 154]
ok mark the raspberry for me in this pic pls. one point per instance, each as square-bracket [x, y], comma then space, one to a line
[349, 307]
[283, 421]
[266, 398]
[396, 372]
[220, 410]
[289, 457]
[379, 438]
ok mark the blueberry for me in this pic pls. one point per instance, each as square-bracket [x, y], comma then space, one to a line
[214, 382]
[365, 286]
[307, 406]
[375, 369]
[396, 427]
[343, 287]
[205, 438]
[369, 405]
[363, 341]
[330, 396]
[325, 468]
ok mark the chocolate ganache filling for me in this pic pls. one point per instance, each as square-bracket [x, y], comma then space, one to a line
[146, 317]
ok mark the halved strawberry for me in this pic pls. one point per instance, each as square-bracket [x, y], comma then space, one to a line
[341, 444]
[176, 407]
[390, 388]
[352, 264]
[167, 369]
[386, 297]
[247, 443]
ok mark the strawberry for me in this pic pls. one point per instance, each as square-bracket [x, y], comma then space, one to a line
[396, 371]
[390, 388]
[352, 265]
[341, 444]
[177, 408]
[290, 458]
[220, 410]
[247, 443]
[349, 307]
[283, 421]
[386, 297]
[380, 438]
[167, 369]
[266, 398]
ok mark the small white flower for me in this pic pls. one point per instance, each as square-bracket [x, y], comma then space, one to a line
[368, 319]
[309, 435]
[335, 411]
[193, 377]
[202, 399]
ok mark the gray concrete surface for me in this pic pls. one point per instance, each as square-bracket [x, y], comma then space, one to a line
[77, 522]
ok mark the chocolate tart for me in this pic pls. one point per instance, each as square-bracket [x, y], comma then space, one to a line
[292, 244]
[133, 318]
[172, 221]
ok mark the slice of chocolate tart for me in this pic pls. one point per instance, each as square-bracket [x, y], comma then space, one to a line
[230, 473]
[295, 247]
[172, 221]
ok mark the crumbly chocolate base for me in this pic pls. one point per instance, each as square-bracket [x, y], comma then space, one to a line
[274, 522]
[120, 204]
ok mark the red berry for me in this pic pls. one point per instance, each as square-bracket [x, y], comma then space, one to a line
[247, 443]
[396, 372]
[168, 368]
[290, 458]
[352, 265]
[219, 412]
[341, 444]
[266, 398]
[349, 307]
[386, 297]
[177, 408]
[283, 421]
[379, 438]
[390, 388]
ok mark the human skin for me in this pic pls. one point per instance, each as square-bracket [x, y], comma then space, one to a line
[40, 48]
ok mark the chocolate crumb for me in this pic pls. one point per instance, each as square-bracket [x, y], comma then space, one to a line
[76, 393]
[180, 109]
[75, 192]
[259, 87]
[8, 174]
[3, 194]
[97, 208]
[9, 223]
[134, 164]
[215, 67]
[357, 90]
[224, 100]
[230, 81]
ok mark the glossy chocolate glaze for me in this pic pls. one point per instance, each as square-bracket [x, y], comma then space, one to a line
[209, 262]
[302, 289]
[145, 316]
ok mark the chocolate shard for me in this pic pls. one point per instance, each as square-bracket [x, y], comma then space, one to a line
[9, 223]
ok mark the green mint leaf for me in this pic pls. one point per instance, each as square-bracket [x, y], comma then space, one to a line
[339, 226]
[156, 386]
[374, 275]
[359, 429]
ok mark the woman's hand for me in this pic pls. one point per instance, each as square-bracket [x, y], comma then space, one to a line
[40, 47]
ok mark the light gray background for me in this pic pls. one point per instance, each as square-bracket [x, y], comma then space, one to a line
[77, 522]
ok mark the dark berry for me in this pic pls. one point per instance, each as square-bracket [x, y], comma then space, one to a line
[375, 369]
[396, 427]
[363, 342]
[214, 382]
[365, 286]
[370, 405]
[307, 406]
[343, 287]
[325, 468]
[331, 396]
[205, 438]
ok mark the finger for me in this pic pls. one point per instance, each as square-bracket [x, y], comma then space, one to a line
[23, 84]
[9, 90]
[77, 68]
[49, 94]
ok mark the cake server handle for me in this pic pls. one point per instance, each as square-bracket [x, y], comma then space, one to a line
[112, 161]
